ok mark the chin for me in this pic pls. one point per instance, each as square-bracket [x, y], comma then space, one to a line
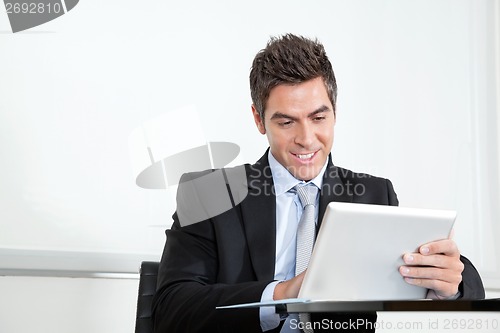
[307, 176]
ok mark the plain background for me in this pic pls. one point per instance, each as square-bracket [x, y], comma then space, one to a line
[418, 104]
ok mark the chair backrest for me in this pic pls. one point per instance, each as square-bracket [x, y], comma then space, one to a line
[147, 288]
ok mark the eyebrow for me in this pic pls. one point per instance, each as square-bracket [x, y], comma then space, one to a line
[280, 115]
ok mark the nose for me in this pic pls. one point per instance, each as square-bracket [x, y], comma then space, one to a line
[304, 136]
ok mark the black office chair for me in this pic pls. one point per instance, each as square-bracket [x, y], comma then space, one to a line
[147, 288]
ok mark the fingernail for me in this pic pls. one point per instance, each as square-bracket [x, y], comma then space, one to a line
[405, 270]
[424, 250]
[408, 259]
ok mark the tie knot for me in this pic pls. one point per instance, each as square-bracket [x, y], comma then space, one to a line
[307, 194]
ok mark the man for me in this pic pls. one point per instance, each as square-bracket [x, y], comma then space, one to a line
[247, 253]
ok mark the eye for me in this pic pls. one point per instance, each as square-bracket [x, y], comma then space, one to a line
[285, 123]
[319, 118]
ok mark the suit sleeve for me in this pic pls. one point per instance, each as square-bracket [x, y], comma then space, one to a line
[188, 291]
[471, 286]
[392, 197]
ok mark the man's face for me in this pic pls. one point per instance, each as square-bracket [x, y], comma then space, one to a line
[299, 123]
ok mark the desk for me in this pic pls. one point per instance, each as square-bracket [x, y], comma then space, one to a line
[485, 305]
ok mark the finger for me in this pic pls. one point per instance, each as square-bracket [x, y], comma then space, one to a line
[431, 273]
[419, 272]
[416, 259]
[441, 288]
[444, 246]
[435, 260]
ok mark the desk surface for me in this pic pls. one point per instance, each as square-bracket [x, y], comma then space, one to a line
[410, 305]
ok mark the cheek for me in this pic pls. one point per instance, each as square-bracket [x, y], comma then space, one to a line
[326, 136]
[274, 137]
[287, 140]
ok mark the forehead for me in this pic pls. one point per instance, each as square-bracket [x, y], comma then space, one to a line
[297, 99]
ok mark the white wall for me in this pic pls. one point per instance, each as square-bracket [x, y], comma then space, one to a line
[418, 103]
[67, 305]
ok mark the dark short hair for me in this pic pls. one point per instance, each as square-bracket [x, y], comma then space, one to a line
[289, 59]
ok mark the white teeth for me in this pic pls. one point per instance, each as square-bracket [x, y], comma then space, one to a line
[303, 157]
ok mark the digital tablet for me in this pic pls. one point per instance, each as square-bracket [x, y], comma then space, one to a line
[359, 250]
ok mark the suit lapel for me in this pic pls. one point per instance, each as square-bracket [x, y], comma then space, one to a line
[259, 215]
[333, 189]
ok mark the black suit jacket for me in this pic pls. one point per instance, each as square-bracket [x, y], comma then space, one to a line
[230, 258]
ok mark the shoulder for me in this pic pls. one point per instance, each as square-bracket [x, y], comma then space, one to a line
[206, 194]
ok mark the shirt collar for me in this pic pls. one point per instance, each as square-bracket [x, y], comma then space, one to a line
[283, 180]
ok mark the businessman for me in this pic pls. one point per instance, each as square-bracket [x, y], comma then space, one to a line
[250, 251]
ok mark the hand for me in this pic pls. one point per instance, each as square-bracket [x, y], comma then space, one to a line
[289, 288]
[436, 266]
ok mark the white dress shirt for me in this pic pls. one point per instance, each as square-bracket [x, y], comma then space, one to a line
[288, 213]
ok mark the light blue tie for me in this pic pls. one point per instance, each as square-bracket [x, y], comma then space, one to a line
[307, 226]
[305, 235]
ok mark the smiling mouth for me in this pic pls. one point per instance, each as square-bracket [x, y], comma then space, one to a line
[304, 156]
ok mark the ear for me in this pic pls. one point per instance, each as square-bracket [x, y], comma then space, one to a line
[334, 115]
[258, 120]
